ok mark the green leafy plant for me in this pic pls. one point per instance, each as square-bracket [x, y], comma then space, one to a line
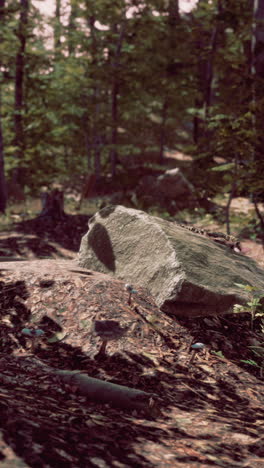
[259, 352]
[254, 306]
[219, 354]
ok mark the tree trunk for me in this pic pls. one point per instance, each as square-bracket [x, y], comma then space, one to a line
[19, 139]
[174, 13]
[88, 189]
[257, 69]
[115, 92]
[210, 72]
[72, 27]
[231, 194]
[57, 30]
[163, 131]
[88, 147]
[114, 112]
[205, 75]
[257, 104]
[258, 37]
[96, 104]
[174, 20]
[3, 191]
[97, 153]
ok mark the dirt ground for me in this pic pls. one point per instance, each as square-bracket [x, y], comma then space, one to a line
[208, 405]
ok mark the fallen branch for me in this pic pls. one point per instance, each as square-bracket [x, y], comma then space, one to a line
[96, 390]
[101, 391]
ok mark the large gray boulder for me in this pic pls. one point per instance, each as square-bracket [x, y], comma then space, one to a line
[187, 273]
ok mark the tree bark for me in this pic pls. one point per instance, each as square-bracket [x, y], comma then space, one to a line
[88, 149]
[19, 139]
[88, 188]
[258, 36]
[72, 27]
[114, 94]
[163, 130]
[257, 70]
[57, 30]
[257, 105]
[96, 136]
[3, 191]
[205, 75]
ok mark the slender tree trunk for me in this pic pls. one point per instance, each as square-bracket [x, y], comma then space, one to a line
[257, 70]
[114, 115]
[72, 27]
[261, 219]
[3, 191]
[96, 103]
[57, 30]
[210, 72]
[205, 76]
[115, 92]
[174, 12]
[88, 148]
[231, 195]
[258, 37]
[19, 139]
[257, 76]
[211, 59]
[174, 20]
[163, 130]
[97, 152]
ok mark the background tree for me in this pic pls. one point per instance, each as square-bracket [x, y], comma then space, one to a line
[3, 192]
[19, 104]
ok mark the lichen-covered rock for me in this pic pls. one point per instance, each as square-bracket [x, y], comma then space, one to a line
[187, 273]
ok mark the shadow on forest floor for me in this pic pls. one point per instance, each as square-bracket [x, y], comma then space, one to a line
[43, 237]
[204, 418]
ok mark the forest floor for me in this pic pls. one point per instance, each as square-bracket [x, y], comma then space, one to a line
[209, 409]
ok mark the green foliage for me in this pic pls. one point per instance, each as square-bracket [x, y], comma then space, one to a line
[223, 167]
[254, 306]
[219, 354]
[106, 50]
[259, 352]
[250, 362]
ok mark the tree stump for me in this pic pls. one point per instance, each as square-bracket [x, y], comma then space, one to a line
[52, 204]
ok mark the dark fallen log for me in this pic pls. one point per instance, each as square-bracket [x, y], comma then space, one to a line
[101, 391]
[96, 390]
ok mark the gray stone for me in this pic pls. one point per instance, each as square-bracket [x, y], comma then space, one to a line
[187, 273]
[147, 185]
[173, 184]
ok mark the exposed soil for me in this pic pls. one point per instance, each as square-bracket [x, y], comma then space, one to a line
[209, 406]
